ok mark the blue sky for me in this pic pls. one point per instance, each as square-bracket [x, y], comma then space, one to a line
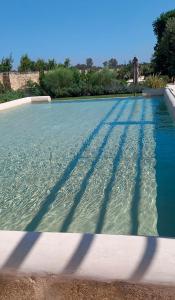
[79, 28]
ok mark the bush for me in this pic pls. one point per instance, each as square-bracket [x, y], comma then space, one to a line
[57, 82]
[33, 89]
[156, 82]
[11, 95]
[69, 82]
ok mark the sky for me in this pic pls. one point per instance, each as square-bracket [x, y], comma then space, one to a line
[78, 29]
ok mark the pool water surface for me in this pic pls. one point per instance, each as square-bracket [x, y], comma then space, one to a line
[88, 166]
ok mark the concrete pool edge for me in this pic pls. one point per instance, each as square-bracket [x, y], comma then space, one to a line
[169, 95]
[22, 101]
[105, 258]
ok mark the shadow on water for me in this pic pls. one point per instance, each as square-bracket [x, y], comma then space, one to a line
[68, 171]
[116, 161]
[137, 187]
[165, 168]
[26, 244]
[79, 195]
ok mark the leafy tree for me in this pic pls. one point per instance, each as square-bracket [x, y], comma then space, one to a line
[40, 65]
[51, 64]
[125, 71]
[166, 49]
[81, 67]
[67, 63]
[164, 55]
[26, 64]
[105, 64]
[89, 63]
[146, 69]
[6, 64]
[112, 63]
[159, 24]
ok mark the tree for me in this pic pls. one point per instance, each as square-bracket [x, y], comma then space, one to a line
[67, 63]
[164, 54]
[125, 72]
[51, 64]
[6, 64]
[112, 63]
[166, 49]
[105, 64]
[26, 64]
[89, 63]
[81, 67]
[146, 69]
[159, 24]
[40, 65]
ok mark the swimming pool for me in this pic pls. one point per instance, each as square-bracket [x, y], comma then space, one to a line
[103, 166]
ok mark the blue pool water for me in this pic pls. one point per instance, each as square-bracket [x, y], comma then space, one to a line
[88, 166]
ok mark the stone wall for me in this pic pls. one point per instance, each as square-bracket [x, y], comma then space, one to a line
[15, 80]
[1, 77]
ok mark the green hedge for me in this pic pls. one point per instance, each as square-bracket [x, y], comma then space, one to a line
[64, 82]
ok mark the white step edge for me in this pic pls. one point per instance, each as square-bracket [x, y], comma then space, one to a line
[98, 257]
[22, 101]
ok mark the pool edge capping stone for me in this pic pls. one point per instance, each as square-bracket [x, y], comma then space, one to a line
[105, 258]
[152, 92]
[169, 96]
[26, 100]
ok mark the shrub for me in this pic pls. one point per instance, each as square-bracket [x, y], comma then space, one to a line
[32, 89]
[57, 82]
[155, 82]
[11, 95]
[69, 82]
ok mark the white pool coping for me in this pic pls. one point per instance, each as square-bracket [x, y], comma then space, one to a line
[87, 256]
[169, 95]
[22, 101]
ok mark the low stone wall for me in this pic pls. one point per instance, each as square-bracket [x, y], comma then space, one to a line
[15, 80]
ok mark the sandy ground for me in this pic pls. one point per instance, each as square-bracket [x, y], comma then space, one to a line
[52, 288]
